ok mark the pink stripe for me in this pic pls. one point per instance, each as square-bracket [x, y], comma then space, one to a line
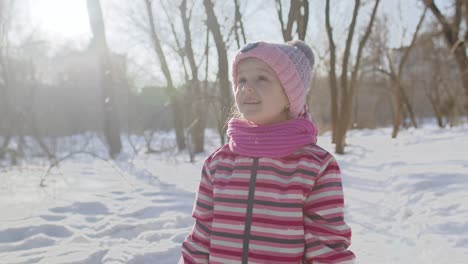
[274, 259]
[310, 164]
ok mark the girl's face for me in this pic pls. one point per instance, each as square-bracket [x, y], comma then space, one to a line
[260, 97]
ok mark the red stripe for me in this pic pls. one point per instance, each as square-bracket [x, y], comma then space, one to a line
[332, 167]
[324, 203]
[276, 222]
[195, 238]
[279, 187]
[226, 252]
[342, 256]
[205, 190]
[276, 258]
[346, 233]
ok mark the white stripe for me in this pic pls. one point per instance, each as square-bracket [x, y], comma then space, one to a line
[238, 175]
[292, 165]
[330, 176]
[340, 227]
[244, 160]
[330, 211]
[230, 209]
[197, 247]
[224, 260]
[196, 231]
[299, 179]
[324, 194]
[279, 196]
[226, 243]
[204, 198]
[220, 175]
[319, 159]
[277, 213]
[205, 181]
[321, 251]
[231, 192]
[228, 226]
[276, 249]
[291, 232]
[327, 238]
[324, 166]
[201, 213]
[215, 162]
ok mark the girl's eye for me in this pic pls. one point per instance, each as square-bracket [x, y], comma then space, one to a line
[262, 78]
[241, 80]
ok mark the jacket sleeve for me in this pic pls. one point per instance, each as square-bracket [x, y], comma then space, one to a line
[326, 234]
[195, 248]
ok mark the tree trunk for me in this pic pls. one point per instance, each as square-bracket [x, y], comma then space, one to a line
[403, 96]
[303, 19]
[451, 32]
[295, 16]
[197, 132]
[398, 110]
[5, 103]
[347, 92]
[463, 69]
[111, 125]
[435, 107]
[238, 25]
[408, 106]
[223, 72]
[4, 146]
[343, 126]
[170, 89]
[334, 95]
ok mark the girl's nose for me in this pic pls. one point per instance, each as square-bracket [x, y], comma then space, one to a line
[248, 87]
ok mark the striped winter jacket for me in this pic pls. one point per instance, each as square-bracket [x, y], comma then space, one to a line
[263, 210]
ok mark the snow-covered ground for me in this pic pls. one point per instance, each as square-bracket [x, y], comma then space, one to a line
[407, 202]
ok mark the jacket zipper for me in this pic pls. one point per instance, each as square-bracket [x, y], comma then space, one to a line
[248, 221]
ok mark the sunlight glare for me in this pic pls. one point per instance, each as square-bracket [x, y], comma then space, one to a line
[65, 19]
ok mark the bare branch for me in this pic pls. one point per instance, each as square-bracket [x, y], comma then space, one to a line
[451, 33]
[413, 41]
[347, 51]
[362, 43]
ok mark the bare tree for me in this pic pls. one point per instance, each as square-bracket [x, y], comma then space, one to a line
[6, 119]
[17, 88]
[342, 113]
[199, 105]
[299, 14]
[442, 87]
[395, 74]
[456, 36]
[443, 102]
[223, 72]
[171, 91]
[239, 25]
[111, 124]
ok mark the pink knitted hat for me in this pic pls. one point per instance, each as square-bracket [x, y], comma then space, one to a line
[292, 62]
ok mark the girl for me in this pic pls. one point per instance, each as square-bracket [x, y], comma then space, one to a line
[271, 195]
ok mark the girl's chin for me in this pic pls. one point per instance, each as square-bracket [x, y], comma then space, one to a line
[257, 120]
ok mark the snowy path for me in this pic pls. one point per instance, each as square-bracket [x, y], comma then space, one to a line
[107, 219]
[407, 199]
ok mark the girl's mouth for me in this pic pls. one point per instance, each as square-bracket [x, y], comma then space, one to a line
[251, 101]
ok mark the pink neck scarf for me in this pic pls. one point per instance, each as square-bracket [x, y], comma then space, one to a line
[270, 141]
